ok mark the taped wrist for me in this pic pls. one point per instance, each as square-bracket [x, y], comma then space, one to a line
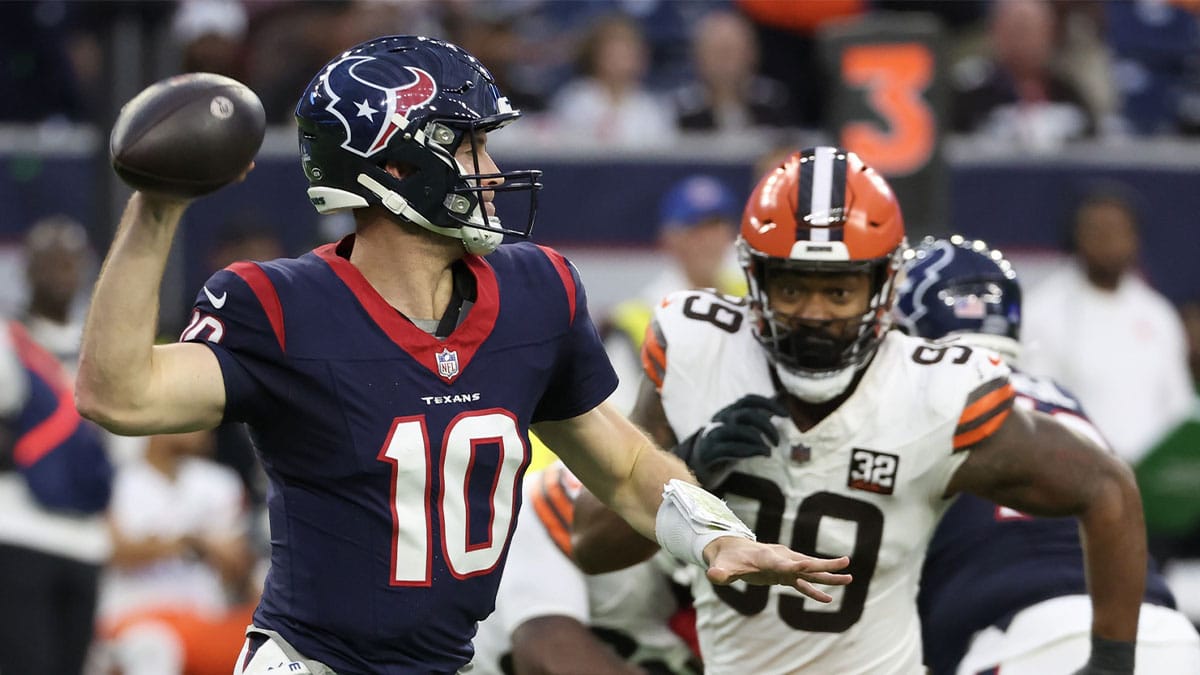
[690, 518]
[1111, 657]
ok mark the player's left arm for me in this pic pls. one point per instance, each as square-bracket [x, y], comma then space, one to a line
[602, 540]
[623, 467]
[1040, 466]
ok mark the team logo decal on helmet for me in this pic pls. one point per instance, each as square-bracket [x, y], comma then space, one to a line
[398, 122]
[960, 286]
[368, 129]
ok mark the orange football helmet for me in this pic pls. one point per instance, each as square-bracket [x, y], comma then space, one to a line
[821, 211]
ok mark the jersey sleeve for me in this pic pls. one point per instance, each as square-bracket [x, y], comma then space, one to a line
[237, 314]
[583, 377]
[973, 395]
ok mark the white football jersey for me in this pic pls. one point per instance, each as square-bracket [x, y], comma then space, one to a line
[629, 609]
[867, 481]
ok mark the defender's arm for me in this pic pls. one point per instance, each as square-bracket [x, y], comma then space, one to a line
[1038, 465]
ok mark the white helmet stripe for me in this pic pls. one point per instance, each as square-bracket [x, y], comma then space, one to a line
[822, 187]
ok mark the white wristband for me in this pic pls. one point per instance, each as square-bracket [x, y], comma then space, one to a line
[690, 518]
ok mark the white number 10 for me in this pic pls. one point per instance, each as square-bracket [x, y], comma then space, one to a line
[407, 450]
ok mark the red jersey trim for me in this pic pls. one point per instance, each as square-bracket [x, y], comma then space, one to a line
[564, 272]
[464, 341]
[268, 297]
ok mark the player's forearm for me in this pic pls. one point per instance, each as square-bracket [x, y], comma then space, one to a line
[1114, 540]
[115, 360]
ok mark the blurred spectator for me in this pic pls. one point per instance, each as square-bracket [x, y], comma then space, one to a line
[1170, 471]
[698, 221]
[38, 77]
[178, 522]
[180, 554]
[244, 238]
[728, 94]
[490, 32]
[1106, 335]
[57, 258]
[289, 40]
[787, 34]
[55, 481]
[1168, 477]
[608, 102]
[210, 34]
[1013, 96]
[1157, 64]
[170, 641]
[1083, 56]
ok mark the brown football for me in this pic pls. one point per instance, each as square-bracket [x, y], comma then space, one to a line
[187, 135]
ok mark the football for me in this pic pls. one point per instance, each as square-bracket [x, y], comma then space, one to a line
[187, 135]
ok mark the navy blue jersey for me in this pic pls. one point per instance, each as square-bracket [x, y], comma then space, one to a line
[986, 562]
[394, 458]
[60, 455]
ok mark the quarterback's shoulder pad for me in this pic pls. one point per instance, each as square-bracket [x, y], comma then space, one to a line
[239, 306]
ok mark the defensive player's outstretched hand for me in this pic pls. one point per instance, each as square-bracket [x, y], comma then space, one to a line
[733, 558]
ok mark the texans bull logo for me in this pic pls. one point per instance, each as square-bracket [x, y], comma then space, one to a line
[371, 114]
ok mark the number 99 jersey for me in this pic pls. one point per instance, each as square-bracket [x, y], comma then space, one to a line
[867, 481]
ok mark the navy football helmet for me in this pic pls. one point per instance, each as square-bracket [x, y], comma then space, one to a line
[410, 101]
[959, 286]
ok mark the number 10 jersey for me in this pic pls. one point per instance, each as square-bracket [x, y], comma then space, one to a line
[867, 481]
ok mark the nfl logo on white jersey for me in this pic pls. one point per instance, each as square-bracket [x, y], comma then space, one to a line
[447, 363]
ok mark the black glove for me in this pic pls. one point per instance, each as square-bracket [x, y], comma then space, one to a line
[1109, 657]
[743, 429]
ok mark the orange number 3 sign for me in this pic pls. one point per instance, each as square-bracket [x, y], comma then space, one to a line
[894, 77]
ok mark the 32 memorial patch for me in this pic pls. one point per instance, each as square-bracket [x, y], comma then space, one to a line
[872, 471]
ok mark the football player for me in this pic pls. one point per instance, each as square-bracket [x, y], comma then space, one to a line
[551, 618]
[390, 379]
[831, 433]
[973, 617]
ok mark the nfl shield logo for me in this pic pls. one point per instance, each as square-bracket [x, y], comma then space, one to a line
[447, 363]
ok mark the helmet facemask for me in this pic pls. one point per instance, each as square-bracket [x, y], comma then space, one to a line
[821, 211]
[820, 348]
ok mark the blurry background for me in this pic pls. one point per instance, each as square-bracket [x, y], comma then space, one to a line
[990, 118]
[651, 120]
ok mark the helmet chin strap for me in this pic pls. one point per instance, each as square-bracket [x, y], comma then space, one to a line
[475, 240]
[818, 389]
